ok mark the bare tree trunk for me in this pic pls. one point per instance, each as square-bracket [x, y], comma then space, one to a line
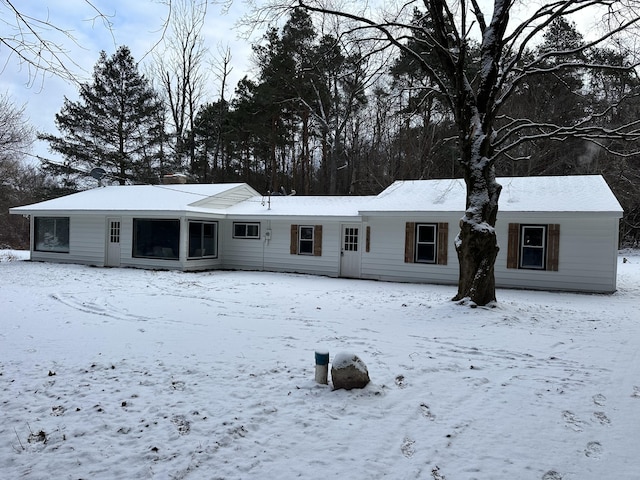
[477, 244]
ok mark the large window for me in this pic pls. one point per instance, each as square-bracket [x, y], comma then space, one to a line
[52, 234]
[533, 246]
[202, 239]
[156, 238]
[246, 230]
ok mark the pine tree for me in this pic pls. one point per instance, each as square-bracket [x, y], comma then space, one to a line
[115, 125]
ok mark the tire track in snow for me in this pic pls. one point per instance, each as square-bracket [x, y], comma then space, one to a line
[97, 307]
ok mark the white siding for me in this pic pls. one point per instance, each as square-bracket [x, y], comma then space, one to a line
[587, 249]
[385, 260]
[274, 255]
[87, 236]
[242, 253]
[587, 254]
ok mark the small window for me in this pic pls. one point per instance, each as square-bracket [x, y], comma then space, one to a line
[350, 243]
[246, 230]
[51, 234]
[305, 240]
[425, 243]
[114, 231]
[533, 246]
[156, 238]
[202, 239]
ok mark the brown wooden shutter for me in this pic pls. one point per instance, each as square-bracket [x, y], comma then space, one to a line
[409, 242]
[367, 244]
[317, 240]
[553, 247]
[443, 243]
[513, 245]
[293, 248]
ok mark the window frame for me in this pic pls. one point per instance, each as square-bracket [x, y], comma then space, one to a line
[294, 244]
[441, 245]
[202, 245]
[307, 241]
[350, 238]
[161, 244]
[542, 265]
[61, 229]
[418, 243]
[246, 226]
[115, 227]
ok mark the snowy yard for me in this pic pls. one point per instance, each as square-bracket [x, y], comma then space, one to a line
[133, 374]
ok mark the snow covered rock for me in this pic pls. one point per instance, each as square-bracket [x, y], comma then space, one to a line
[348, 371]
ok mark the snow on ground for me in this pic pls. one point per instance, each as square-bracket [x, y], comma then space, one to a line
[134, 374]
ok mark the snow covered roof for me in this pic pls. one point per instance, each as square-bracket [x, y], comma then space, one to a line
[580, 193]
[586, 193]
[301, 206]
[166, 198]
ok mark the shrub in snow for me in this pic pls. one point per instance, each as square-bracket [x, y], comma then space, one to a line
[348, 371]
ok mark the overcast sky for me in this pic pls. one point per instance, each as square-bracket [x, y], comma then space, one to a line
[134, 23]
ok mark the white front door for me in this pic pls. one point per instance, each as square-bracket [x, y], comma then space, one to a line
[113, 243]
[350, 251]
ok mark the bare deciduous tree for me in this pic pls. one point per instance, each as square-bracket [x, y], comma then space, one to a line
[16, 138]
[475, 86]
[179, 66]
[38, 43]
[16, 134]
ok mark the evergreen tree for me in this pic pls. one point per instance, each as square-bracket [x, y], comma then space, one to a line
[116, 124]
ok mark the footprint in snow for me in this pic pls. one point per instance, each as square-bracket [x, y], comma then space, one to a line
[552, 475]
[426, 412]
[573, 422]
[599, 399]
[602, 418]
[182, 424]
[593, 449]
[407, 447]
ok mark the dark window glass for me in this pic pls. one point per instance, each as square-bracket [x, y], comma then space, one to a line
[156, 238]
[202, 239]
[532, 250]
[51, 234]
[246, 230]
[306, 241]
[425, 243]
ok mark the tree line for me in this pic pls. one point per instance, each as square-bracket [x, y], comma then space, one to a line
[329, 112]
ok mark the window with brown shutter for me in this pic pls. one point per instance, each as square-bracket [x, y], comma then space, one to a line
[306, 240]
[535, 247]
[426, 243]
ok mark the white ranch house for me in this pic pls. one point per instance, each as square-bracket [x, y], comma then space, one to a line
[555, 233]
